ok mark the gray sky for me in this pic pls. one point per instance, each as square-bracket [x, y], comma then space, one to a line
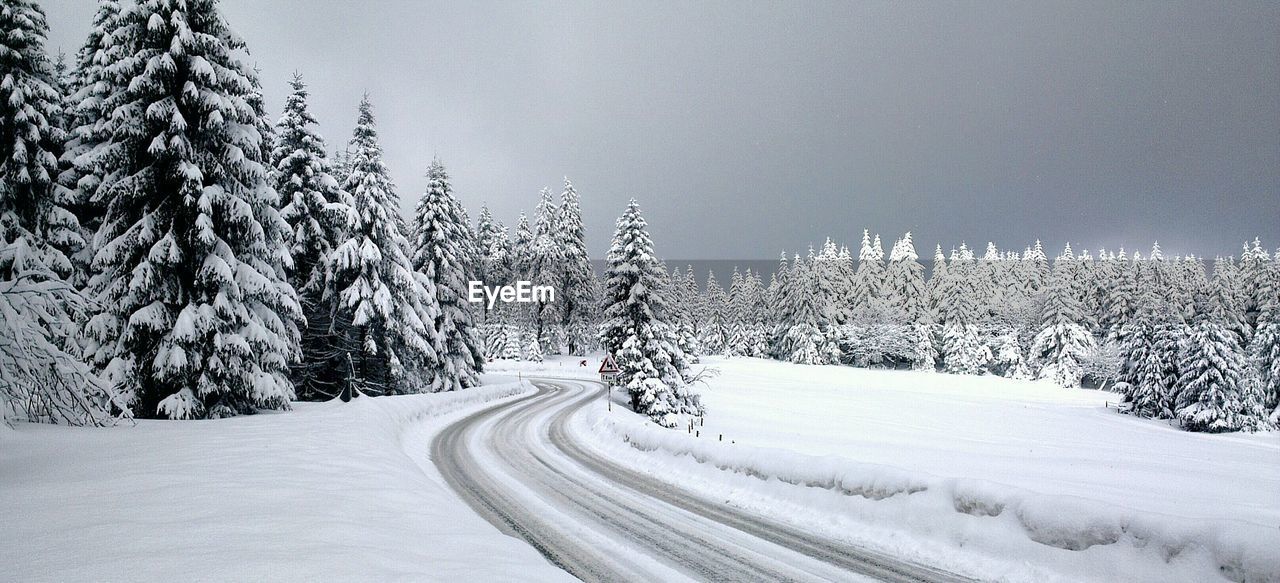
[746, 128]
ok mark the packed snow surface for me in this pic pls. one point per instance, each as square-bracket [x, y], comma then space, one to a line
[330, 491]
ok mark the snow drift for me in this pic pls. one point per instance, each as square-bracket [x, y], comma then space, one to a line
[1190, 549]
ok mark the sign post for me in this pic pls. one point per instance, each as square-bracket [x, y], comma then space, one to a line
[609, 376]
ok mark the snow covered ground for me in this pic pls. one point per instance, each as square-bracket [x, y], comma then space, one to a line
[552, 366]
[997, 479]
[1033, 481]
[1030, 435]
[329, 491]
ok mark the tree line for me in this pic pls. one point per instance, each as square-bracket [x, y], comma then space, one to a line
[1174, 340]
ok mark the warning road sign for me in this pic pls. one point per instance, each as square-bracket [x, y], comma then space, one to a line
[609, 369]
[609, 365]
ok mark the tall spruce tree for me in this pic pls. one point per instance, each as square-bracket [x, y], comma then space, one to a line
[63, 79]
[88, 125]
[197, 318]
[494, 246]
[42, 379]
[937, 285]
[522, 248]
[1150, 345]
[440, 235]
[636, 330]
[522, 268]
[1254, 262]
[950, 294]
[318, 213]
[714, 335]
[578, 286]
[1120, 302]
[1136, 339]
[755, 307]
[1264, 348]
[391, 307]
[963, 350]
[546, 267]
[905, 282]
[494, 267]
[736, 308]
[1060, 346]
[1038, 272]
[779, 308]
[694, 305]
[1215, 393]
[32, 207]
[869, 278]
[684, 302]
[494, 263]
[1226, 300]
[989, 294]
[806, 339]
[827, 284]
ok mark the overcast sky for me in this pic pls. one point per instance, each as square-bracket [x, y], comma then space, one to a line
[747, 128]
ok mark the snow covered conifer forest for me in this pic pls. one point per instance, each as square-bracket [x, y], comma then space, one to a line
[171, 251]
[413, 348]
[1173, 338]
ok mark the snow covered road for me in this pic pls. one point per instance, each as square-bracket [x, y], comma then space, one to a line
[517, 466]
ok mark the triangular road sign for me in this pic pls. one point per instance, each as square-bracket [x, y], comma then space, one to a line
[608, 366]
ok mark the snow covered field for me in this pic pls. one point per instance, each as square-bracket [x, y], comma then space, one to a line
[1035, 481]
[330, 491]
[1030, 435]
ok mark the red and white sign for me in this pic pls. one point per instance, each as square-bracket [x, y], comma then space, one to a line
[609, 369]
[608, 365]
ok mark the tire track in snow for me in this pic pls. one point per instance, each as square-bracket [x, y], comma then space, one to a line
[517, 466]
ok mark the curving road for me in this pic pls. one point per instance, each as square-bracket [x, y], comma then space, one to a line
[517, 466]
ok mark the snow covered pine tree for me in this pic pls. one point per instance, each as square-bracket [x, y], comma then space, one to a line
[195, 316]
[1264, 349]
[87, 123]
[318, 213]
[439, 234]
[1215, 392]
[546, 267]
[1060, 346]
[41, 379]
[635, 329]
[714, 337]
[392, 308]
[577, 282]
[33, 206]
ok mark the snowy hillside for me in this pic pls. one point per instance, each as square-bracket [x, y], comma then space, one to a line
[330, 491]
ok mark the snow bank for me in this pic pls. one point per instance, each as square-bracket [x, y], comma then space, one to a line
[988, 477]
[1236, 551]
[1029, 435]
[330, 491]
